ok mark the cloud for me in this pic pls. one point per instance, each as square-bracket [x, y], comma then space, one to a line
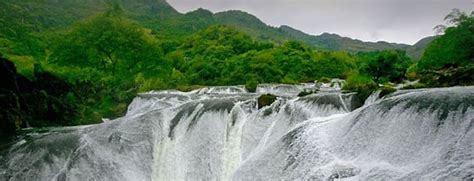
[404, 21]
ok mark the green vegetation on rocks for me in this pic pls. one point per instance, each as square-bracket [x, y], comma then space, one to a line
[386, 89]
[361, 84]
[324, 80]
[415, 86]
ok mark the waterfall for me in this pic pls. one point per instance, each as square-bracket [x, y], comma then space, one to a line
[217, 133]
[423, 135]
[373, 97]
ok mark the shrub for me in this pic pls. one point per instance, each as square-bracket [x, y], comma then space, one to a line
[251, 85]
[363, 85]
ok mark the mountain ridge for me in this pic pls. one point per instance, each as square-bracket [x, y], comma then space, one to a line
[167, 22]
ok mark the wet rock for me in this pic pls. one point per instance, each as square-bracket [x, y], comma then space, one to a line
[386, 89]
[307, 92]
[266, 100]
[11, 84]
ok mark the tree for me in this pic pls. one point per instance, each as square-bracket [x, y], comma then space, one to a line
[454, 18]
[449, 60]
[108, 43]
[384, 66]
[454, 48]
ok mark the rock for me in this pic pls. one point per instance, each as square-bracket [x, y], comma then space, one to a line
[10, 114]
[42, 102]
[324, 80]
[386, 89]
[266, 100]
[306, 92]
[11, 84]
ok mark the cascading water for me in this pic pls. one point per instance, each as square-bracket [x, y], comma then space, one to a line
[217, 133]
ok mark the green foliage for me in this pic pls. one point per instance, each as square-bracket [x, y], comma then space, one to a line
[386, 89]
[361, 84]
[25, 64]
[164, 21]
[108, 59]
[411, 73]
[385, 66]
[222, 56]
[109, 44]
[251, 85]
[453, 49]
[378, 67]
[449, 60]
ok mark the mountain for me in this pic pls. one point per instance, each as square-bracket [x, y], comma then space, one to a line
[167, 23]
[336, 42]
[252, 25]
[417, 50]
[56, 13]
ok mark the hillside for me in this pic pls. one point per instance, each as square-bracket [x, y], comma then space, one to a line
[336, 42]
[258, 29]
[44, 14]
[417, 50]
[167, 23]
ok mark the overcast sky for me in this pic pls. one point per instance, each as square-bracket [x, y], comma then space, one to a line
[402, 21]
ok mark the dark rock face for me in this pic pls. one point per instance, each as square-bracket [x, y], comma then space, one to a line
[266, 100]
[10, 115]
[42, 102]
[10, 78]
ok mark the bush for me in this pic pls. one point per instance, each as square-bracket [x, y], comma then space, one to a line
[411, 73]
[385, 66]
[363, 85]
[251, 85]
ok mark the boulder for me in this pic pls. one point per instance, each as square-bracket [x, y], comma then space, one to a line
[266, 100]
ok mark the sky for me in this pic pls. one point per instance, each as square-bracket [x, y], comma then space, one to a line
[401, 21]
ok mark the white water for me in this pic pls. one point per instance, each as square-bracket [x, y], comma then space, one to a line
[217, 133]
